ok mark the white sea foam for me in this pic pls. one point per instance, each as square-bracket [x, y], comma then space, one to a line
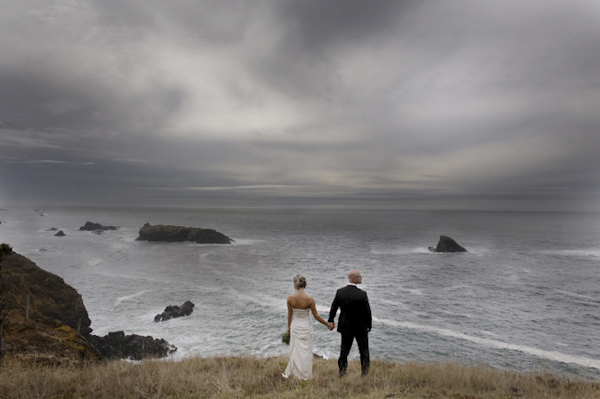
[551, 355]
[128, 297]
[478, 251]
[95, 261]
[119, 246]
[260, 299]
[581, 253]
[459, 287]
[580, 296]
[454, 314]
[246, 241]
[401, 251]
[413, 291]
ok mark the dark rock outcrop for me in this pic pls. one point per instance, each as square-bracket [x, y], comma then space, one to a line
[179, 233]
[117, 345]
[96, 227]
[49, 296]
[447, 244]
[175, 311]
[60, 234]
[46, 320]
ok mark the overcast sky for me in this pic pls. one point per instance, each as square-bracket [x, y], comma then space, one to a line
[421, 104]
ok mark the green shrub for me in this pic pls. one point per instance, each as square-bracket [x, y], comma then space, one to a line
[5, 248]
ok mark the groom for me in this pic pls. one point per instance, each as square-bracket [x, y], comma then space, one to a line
[354, 322]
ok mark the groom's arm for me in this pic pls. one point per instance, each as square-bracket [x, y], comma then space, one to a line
[334, 308]
[369, 316]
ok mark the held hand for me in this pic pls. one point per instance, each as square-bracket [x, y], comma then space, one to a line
[330, 325]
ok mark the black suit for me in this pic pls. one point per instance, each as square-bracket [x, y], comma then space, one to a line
[355, 322]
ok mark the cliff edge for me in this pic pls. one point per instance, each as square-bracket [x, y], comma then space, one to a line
[46, 321]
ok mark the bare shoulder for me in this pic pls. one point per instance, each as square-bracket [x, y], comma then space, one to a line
[294, 300]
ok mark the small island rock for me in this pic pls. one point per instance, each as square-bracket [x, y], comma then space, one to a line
[179, 233]
[175, 311]
[96, 227]
[447, 244]
[60, 234]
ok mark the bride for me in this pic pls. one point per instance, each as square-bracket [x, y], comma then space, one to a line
[300, 328]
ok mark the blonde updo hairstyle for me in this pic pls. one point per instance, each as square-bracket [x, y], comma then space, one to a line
[299, 281]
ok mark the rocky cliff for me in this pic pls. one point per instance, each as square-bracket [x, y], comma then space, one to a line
[46, 320]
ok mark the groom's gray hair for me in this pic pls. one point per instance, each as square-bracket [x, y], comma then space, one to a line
[299, 281]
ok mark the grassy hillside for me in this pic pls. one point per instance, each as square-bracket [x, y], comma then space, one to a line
[261, 378]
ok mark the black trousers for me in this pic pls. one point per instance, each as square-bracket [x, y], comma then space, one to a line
[362, 340]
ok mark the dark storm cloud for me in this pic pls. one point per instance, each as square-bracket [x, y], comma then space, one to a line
[49, 96]
[320, 24]
[391, 103]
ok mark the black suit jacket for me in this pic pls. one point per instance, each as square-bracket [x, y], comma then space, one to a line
[355, 316]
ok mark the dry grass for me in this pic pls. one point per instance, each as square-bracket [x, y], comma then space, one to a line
[261, 378]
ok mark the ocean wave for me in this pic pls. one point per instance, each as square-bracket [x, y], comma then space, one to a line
[95, 261]
[424, 251]
[246, 241]
[491, 343]
[401, 251]
[582, 297]
[413, 291]
[578, 253]
[129, 297]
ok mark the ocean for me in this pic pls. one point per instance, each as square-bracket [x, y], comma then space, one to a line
[525, 297]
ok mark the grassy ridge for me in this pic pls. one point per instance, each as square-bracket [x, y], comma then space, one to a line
[236, 377]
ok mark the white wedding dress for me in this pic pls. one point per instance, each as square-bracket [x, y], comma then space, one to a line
[301, 345]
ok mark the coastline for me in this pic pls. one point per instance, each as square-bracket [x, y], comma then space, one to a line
[429, 307]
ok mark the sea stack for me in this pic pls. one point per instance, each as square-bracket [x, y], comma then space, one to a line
[447, 244]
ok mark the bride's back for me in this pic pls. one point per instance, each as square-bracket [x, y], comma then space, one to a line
[300, 300]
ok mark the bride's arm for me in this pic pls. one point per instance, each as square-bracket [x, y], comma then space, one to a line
[313, 308]
[290, 313]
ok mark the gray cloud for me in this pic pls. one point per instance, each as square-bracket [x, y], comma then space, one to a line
[411, 104]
